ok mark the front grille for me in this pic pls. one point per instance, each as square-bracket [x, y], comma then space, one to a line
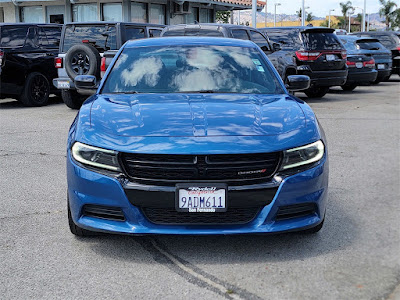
[103, 212]
[295, 211]
[237, 216]
[167, 169]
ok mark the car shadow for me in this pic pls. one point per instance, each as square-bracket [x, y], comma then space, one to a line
[338, 233]
[11, 103]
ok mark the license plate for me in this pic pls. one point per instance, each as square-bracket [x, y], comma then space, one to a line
[381, 66]
[63, 84]
[330, 57]
[198, 198]
[359, 65]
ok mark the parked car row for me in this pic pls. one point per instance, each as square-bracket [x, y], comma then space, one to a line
[28, 51]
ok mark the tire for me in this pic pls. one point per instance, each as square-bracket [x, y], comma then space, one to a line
[36, 90]
[387, 78]
[377, 81]
[72, 99]
[314, 229]
[76, 230]
[348, 88]
[316, 92]
[82, 59]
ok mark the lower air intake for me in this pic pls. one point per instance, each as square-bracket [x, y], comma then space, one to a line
[295, 211]
[103, 212]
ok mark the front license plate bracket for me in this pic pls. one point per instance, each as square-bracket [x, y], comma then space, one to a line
[201, 197]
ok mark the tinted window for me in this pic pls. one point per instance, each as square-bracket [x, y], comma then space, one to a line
[240, 34]
[53, 35]
[154, 32]
[387, 41]
[180, 32]
[13, 36]
[184, 69]
[349, 45]
[32, 39]
[320, 41]
[369, 45]
[133, 33]
[260, 40]
[287, 39]
[102, 37]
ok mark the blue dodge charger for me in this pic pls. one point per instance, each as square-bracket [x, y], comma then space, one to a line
[192, 135]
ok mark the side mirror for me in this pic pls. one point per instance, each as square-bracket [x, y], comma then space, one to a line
[86, 84]
[298, 82]
[276, 47]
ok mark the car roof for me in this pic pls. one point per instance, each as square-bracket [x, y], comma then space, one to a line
[215, 26]
[356, 38]
[29, 24]
[189, 41]
[303, 28]
[113, 23]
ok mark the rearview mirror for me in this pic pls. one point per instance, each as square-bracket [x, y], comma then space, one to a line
[276, 46]
[86, 84]
[298, 82]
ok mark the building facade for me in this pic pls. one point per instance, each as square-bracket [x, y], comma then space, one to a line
[142, 11]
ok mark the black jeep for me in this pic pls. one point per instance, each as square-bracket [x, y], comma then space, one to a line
[318, 53]
[27, 54]
[82, 46]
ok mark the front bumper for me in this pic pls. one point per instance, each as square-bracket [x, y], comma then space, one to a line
[325, 78]
[88, 187]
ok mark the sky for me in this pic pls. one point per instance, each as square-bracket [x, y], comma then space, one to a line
[320, 8]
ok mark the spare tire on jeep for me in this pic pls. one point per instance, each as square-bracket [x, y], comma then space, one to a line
[82, 59]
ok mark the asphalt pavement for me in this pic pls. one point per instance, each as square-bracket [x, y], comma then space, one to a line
[355, 256]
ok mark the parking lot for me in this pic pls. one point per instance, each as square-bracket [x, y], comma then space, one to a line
[355, 256]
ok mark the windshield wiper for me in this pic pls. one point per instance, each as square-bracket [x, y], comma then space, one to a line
[198, 92]
[131, 92]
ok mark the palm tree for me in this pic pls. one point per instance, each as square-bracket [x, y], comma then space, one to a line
[299, 14]
[388, 11]
[345, 8]
[310, 17]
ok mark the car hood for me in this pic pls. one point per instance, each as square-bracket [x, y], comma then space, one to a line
[195, 115]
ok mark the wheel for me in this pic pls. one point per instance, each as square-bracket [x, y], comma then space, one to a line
[76, 230]
[316, 92]
[377, 81]
[349, 87]
[387, 78]
[314, 229]
[82, 59]
[36, 90]
[72, 99]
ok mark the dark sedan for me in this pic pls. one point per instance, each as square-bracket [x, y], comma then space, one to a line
[372, 48]
[362, 70]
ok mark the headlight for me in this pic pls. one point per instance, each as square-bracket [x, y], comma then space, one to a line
[96, 157]
[304, 155]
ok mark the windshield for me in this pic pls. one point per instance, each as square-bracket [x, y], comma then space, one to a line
[101, 37]
[191, 69]
[314, 40]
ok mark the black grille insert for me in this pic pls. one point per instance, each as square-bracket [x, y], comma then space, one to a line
[295, 211]
[103, 212]
[167, 169]
[238, 216]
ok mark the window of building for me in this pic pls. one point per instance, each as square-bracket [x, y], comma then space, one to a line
[112, 12]
[55, 14]
[32, 14]
[194, 16]
[138, 12]
[84, 12]
[157, 13]
[204, 16]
